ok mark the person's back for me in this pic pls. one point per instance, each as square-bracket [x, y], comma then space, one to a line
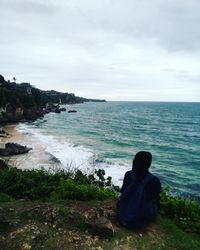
[139, 202]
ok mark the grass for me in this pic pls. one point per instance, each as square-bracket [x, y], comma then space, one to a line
[41, 210]
[175, 236]
[31, 227]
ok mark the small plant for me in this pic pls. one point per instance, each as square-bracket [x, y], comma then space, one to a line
[5, 198]
[69, 189]
[186, 213]
[43, 185]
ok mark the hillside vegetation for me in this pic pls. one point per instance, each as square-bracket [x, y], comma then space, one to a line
[26, 95]
[43, 210]
[23, 101]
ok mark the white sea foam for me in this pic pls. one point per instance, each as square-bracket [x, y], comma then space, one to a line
[70, 156]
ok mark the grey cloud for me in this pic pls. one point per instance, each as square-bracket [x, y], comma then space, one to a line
[27, 7]
[176, 71]
[173, 24]
[95, 47]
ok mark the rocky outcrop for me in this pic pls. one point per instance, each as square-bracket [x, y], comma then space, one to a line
[3, 133]
[55, 108]
[62, 109]
[13, 149]
[100, 220]
[33, 113]
[102, 227]
[23, 102]
[13, 114]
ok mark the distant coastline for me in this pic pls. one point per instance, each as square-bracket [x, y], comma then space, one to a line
[23, 102]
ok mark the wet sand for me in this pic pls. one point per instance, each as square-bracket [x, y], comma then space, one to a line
[13, 135]
[34, 159]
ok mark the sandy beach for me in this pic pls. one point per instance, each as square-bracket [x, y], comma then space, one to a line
[36, 158]
[13, 135]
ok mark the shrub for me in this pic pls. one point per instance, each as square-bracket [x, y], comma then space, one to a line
[186, 213]
[97, 179]
[43, 185]
[5, 198]
[3, 164]
[69, 189]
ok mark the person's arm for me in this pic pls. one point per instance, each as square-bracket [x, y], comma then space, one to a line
[126, 181]
[153, 189]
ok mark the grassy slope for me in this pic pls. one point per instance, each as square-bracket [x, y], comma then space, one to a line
[36, 225]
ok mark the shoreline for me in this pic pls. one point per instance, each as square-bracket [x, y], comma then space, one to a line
[53, 155]
[54, 152]
[13, 134]
[35, 159]
[40, 156]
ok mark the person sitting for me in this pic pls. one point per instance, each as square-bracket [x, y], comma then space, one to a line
[139, 201]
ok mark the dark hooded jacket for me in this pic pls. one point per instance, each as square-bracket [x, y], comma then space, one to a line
[141, 164]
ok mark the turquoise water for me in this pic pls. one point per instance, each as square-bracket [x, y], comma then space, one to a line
[111, 133]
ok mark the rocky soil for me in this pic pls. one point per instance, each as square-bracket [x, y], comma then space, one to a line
[33, 225]
[77, 225]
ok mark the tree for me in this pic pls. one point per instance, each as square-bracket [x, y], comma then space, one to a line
[2, 98]
[2, 80]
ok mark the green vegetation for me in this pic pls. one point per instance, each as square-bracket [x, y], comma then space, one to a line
[24, 102]
[185, 213]
[45, 186]
[5, 198]
[43, 210]
[3, 164]
[25, 95]
[36, 225]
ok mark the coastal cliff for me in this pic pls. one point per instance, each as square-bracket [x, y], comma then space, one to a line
[22, 102]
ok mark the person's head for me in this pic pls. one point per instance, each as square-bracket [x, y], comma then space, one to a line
[142, 162]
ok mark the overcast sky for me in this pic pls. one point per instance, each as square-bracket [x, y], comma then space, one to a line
[136, 50]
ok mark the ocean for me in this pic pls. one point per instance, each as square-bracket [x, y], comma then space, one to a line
[108, 135]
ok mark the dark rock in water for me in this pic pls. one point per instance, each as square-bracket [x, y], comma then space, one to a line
[13, 149]
[57, 111]
[50, 107]
[62, 109]
[3, 133]
[72, 111]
